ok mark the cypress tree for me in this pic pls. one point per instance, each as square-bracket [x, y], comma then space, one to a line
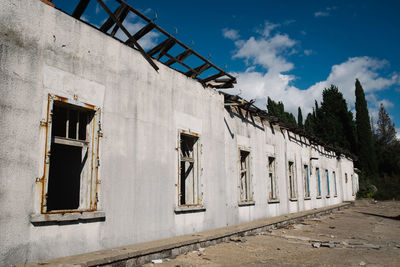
[385, 132]
[365, 149]
[278, 110]
[300, 118]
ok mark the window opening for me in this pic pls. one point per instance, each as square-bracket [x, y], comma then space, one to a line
[70, 157]
[318, 183]
[328, 191]
[189, 177]
[245, 194]
[352, 185]
[272, 177]
[334, 180]
[306, 181]
[291, 180]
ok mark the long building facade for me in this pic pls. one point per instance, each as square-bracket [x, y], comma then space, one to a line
[100, 150]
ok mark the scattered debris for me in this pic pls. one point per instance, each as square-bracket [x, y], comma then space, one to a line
[328, 244]
[238, 239]
[332, 227]
[316, 244]
[362, 263]
[156, 261]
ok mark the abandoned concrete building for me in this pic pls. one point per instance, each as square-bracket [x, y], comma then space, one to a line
[105, 144]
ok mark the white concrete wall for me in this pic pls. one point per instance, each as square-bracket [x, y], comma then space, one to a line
[44, 51]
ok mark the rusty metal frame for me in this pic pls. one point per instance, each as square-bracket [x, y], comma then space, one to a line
[249, 182]
[273, 183]
[96, 132]
[198, 168]
[116, 19]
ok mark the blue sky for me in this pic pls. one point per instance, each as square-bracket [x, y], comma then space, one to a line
[288, 50]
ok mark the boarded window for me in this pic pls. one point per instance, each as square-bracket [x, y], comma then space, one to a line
[245, 186]
[189, 170]
[71, 157]
[271, 178]
[292, 186]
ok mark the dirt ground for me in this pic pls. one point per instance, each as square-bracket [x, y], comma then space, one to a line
[366, 234]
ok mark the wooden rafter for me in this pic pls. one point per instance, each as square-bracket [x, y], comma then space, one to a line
[80, 8]
[179, 58]
[149, 59]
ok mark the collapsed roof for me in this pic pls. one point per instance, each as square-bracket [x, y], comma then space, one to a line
[170, 51]
[247, 110]
[205, 72]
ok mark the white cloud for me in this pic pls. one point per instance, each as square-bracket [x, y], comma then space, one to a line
[270, 52]
[147, 11]
[308, 52]
[98, 9]
[268, 27]
[303, 33]
[230, 34]
[326, 12]
[266, 50]
[321, 14]
[398, 133]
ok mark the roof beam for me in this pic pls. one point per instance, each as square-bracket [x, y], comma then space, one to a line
[165, 49]
[143, 31]
[121, 17]
[197, 71]
[158, 47]
[80, 8]
[146, 56]
[213, 77]
[181, 57]
[110, 21]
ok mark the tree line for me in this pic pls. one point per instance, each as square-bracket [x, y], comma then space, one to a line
[375, 147]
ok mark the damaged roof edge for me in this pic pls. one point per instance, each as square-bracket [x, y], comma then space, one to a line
[216, 78]
[235, 100]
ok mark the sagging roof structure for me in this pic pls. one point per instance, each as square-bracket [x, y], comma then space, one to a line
[218, 79]
[206, 72]
[247, 110]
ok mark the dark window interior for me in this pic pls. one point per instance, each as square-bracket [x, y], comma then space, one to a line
[187, 163]
[65, 177]
[67, 160]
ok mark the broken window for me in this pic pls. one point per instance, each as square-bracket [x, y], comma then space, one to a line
[272, 177]
[352, 185]
[318, 182]
[245, 186]
[189, 191]
[328, 190]
[306, 181]
[292, 186]
[71, 156]
[334, 180]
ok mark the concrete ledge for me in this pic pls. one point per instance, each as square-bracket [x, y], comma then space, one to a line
[171, 247]
[246, 203]
[189, 209]
[66, 217]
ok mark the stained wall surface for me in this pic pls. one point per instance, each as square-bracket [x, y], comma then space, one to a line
[44, 51]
